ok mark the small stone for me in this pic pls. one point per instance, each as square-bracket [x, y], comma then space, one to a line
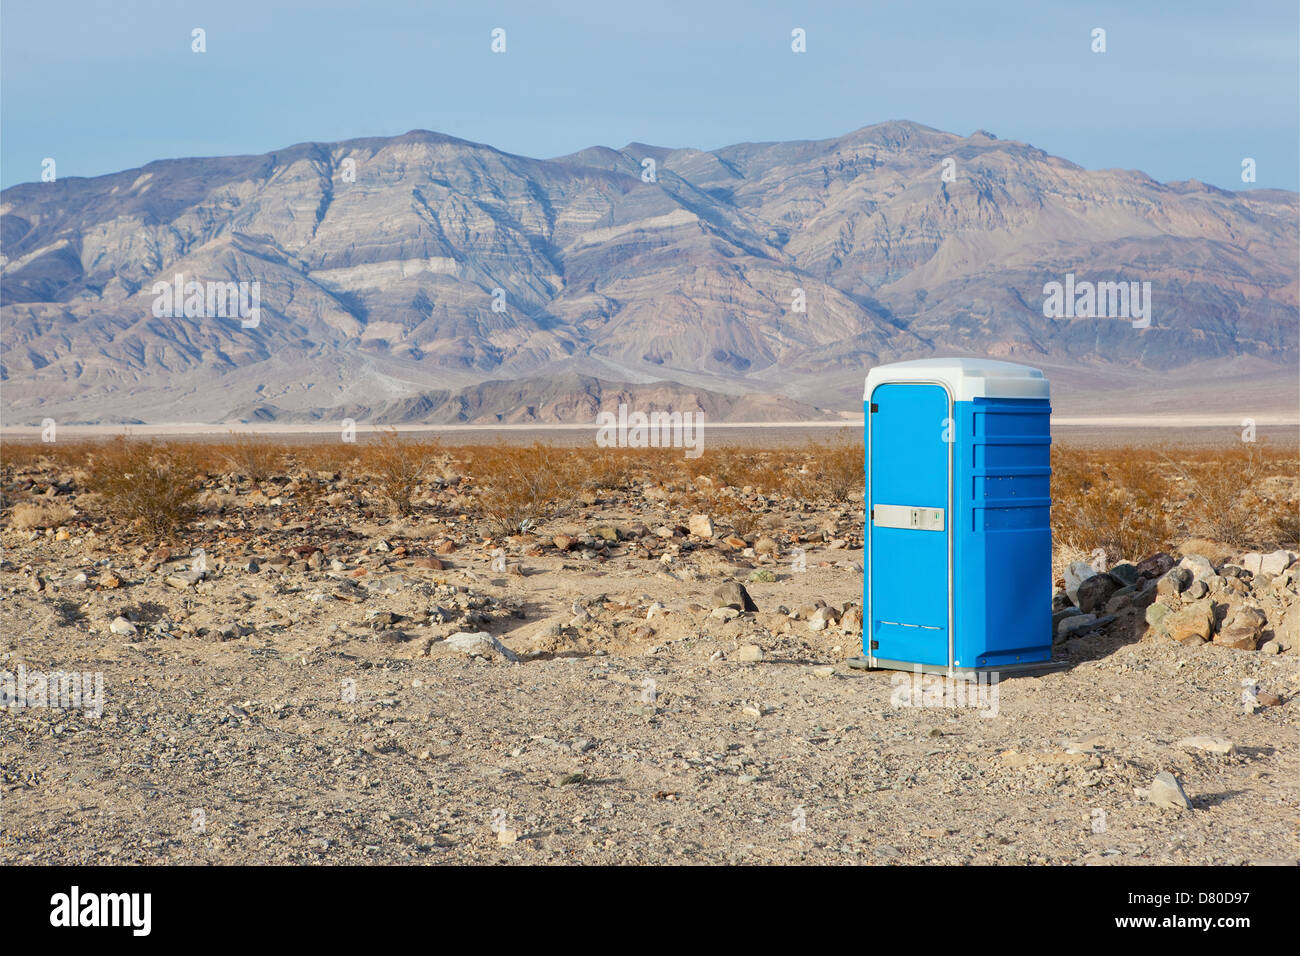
[1196, 590]
[748, 654]
[1275, 563]
[724, 613]
[480, 644]
[445, 547]
[1270, 647]
[824, 671]
[1167, 791]
[733, 594]
[121, 625]
[507, 835]
[821, 618]
[563, 542]
[1200, 566]
[427, 564]
[1214, 745]
[183, 579]
[1074, 625]
[1241, 637]
[701, 526]
[851, 620]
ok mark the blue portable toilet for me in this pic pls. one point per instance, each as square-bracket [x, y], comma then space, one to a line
[958, 543]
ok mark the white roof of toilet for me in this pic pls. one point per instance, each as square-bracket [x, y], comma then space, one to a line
[966, 378]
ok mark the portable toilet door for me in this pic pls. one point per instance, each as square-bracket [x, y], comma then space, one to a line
[958, 539]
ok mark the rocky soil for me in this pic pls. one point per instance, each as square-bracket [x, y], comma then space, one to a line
[631, 684]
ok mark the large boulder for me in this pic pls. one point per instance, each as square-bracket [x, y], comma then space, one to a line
[1156, 565]
[1126, 574]
[1200, 566]
[1194, 623]
[1095, 592]
[1075, 574]
[1173, 583]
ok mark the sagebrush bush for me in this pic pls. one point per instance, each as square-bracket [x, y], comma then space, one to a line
[253, 458]
[399, 466]
[518, 485]
[1113, 501]
[153, 485]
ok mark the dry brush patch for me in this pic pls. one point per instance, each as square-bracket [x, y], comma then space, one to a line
[1132, 502]
[1128, 502]
[150, 485]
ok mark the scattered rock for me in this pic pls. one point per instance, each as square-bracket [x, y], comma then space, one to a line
[733, 594]
[701, 526]
[121, 625]
[748, 654]
[1095, 592]
[1156, 565]
[1075, 574]
[1214, 745]
[1126, 574]
[1195, 622]
[1167, 791]
[480, 644]
[1199, 565]
[1173, 582]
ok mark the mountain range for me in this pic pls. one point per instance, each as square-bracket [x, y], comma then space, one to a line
[424, 278]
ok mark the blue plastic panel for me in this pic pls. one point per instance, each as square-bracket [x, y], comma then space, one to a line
[906, 585]
[1002, 535]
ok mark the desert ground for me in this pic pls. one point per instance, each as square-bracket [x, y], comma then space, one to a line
[409, 651]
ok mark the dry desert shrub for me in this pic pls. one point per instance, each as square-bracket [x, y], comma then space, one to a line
[1114, 501]
[400, 467]
[32, 514]
[148, 484]
[253, 458]
[1225, 498]
[518, 488]
[833, 471]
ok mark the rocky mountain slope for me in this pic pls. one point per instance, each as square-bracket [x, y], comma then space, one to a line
[395, 269]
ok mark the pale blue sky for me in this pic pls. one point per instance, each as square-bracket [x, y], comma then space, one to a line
[1185, 90]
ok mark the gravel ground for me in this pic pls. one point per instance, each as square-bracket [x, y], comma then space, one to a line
[285, 716]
